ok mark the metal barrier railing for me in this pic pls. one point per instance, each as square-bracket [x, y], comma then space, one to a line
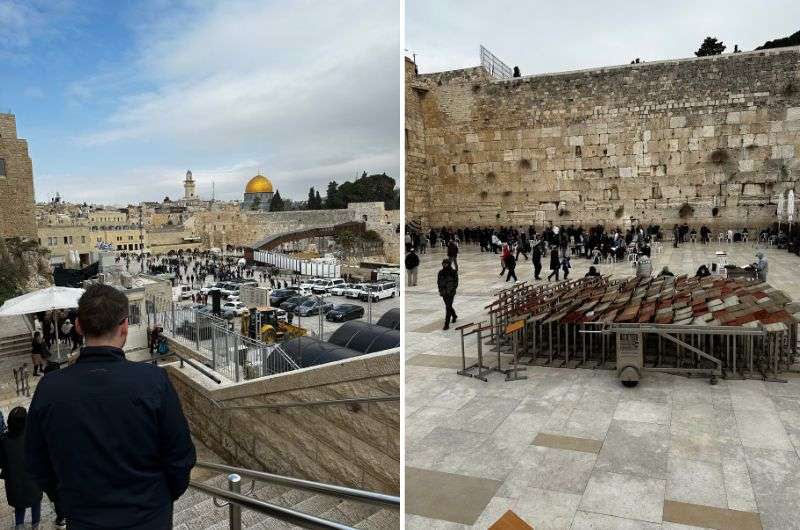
[22, 381]
[236, 500]
[225, 351]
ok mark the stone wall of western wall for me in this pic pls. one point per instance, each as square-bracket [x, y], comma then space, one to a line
[17, 204]
[706, 140]
[357, 447]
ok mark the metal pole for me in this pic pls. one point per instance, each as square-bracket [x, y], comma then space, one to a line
[236, 357]
[234, 510]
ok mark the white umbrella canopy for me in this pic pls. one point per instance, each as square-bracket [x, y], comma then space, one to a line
[790, 206]
[780, 207]
[42, 300]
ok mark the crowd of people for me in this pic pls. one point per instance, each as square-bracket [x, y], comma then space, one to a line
[556, 246]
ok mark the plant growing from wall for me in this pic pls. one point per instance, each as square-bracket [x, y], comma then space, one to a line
[714, 211]
[619, 211]
[718, 156]
[525, 164]
[685, 211]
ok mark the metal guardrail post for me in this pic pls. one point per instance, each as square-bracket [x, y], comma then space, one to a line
[234, 510]
[215, 341]
[173, 318]
[236, 358]
[197, 331]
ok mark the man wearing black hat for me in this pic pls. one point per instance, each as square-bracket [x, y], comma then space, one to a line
[106, 435]
[447, 281]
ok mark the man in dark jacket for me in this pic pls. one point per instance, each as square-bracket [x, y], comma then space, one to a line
[109, 435]
[452, 253]
[447, 281]
[536, 258]
[412, 264]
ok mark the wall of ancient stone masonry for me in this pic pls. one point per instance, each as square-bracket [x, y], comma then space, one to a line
[705, 140]
[17, 204]
[355, 447]
[246, 228]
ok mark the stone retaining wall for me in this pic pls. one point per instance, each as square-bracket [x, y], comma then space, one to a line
[356, 446]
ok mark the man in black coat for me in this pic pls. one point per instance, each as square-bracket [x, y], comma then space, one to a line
[536, 258]
[412, 264]
[447, 281]
[108, 435]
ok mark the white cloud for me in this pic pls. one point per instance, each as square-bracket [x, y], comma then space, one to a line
[307, 89]
[544, 37]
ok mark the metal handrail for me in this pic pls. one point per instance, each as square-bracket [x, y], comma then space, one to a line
[348, 401]
[191, 362]
[285, 514]
[344, 492]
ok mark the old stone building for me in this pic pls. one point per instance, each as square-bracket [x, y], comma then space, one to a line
[705, 140]
[17, 204]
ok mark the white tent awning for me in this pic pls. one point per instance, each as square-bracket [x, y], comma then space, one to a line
[42, 300]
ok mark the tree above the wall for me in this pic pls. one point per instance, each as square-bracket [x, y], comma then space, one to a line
[710, 46]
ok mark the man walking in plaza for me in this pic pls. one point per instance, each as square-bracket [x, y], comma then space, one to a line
[412, 266]
[447, 282]
[452, 253]
[536, 258]
[107, 435]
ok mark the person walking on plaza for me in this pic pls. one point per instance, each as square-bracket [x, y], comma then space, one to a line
[39, 353]
[21, 491]
[412, 266]
[511, 265]
[761, 266]
[555, 264]
[452, 253]
[676, 235]
[536, 258]
[107, 435]
[565, 266]
[447, 282]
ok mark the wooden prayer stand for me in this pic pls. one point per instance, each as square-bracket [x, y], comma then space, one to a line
[513, 331]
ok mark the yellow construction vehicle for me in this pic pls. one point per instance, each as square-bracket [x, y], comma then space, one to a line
[262, 323]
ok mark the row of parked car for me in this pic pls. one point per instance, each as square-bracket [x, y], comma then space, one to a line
[338, 287]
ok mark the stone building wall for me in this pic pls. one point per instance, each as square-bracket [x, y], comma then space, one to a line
[17, 204]
[356, 447]
[705, 140]
[242, 228]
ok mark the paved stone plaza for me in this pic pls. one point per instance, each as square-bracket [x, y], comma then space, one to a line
[574, 448]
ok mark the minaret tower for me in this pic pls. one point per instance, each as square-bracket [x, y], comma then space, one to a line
[188, 187]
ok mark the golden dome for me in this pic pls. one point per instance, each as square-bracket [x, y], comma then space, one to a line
[259, 184]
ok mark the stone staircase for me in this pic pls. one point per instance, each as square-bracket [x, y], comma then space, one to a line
[15, 346]
[196, 510]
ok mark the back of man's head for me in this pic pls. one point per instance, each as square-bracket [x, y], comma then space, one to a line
[102, 309]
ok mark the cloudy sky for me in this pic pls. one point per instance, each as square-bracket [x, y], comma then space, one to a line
[547, 36]
[118, 103]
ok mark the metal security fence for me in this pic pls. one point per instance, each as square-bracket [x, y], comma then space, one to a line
[494, 66]
[224, 350]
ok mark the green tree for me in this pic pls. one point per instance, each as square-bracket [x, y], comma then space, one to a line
[333, 199]
[310, 201]
[277, 204]
[710, 46]
[317, 201]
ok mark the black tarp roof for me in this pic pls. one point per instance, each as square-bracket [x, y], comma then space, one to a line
[309, 351]
[390, 319]
[365, 337]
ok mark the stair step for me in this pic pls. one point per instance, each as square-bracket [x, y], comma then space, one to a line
[350, 512]
[383, 520]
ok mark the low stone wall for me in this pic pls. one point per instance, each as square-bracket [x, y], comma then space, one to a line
[356, 446]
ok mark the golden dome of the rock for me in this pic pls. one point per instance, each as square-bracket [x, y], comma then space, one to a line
[259, 184]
